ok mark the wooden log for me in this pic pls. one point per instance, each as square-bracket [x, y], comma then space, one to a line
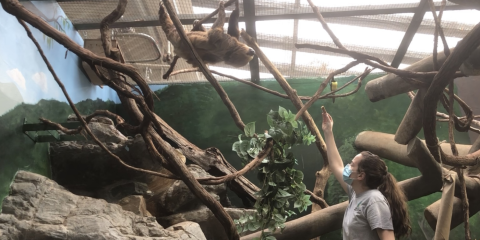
[384, 145]
[431, 212]
[391, 84]
[426, 164]
[330, 219]
[310, 226]
[412, 122]
[442, 229]
[474, 170]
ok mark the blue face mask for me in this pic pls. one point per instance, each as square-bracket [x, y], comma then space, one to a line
[347, 171]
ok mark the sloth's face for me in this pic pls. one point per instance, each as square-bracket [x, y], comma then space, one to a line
[240, 56]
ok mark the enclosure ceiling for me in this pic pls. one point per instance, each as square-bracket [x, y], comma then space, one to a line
[376, 29]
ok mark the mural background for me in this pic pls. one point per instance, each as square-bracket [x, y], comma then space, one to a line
[28, 90]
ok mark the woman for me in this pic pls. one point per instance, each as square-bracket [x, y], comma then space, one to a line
[377, 208]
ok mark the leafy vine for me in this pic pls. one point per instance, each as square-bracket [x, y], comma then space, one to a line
[282, 184]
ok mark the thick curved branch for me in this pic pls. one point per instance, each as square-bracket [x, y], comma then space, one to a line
[251, 165]
[459, 125]
[316, 199]
[446, 73]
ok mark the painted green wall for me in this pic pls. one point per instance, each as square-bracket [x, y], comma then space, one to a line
[197, 112]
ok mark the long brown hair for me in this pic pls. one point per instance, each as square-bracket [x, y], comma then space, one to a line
[378, 177]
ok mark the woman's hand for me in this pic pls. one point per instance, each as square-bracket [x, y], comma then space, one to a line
[327, 123]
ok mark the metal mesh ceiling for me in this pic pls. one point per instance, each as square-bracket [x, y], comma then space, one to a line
[279, 24]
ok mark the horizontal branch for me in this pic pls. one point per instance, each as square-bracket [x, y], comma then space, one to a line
[251, 165]
[353, 54]
[322, 87]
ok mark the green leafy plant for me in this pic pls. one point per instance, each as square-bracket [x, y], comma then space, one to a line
[282, 184]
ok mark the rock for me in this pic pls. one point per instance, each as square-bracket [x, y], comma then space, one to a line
[121, 189]
[135, 204]
[85, 168]
[100, 119]
[211, 227]
[39, 208]
[106, 133]
[192, 228]
[179, 198]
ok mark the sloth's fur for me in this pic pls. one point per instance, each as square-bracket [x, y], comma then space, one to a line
[214, 45]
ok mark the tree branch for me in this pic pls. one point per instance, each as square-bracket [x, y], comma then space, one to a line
[251, 165]
[440, 81]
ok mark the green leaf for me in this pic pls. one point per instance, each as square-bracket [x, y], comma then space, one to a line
[240, 137]
[253, 152]
[279, 217]
[272, 184]
[280, 176]
[243, 219]
[236, 147]
[301, 186]
[251, 226]
[298, 203]
[294, 123]
[289, 117]
[298, 176]
[276, 134]
[281, 193]
[249, 129]
[270, 120]
[282, 111]
[244, 146]
[306, 198]
[270, 238]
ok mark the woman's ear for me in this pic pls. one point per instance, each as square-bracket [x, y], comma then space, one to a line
[360, 176]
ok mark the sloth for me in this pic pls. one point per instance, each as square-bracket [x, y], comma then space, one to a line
[214, 45]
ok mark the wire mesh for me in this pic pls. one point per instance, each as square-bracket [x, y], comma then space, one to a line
[279, 25]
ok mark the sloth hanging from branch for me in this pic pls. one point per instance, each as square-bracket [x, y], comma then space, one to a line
[213, 46]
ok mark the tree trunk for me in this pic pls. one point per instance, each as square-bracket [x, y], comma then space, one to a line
[384, 145]
[412, 122]
[391, 84]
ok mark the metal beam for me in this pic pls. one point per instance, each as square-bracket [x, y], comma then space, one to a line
[411, 30]
[249, 12]
[189, 21]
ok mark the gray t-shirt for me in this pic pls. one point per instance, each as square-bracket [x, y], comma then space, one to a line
[365, 213]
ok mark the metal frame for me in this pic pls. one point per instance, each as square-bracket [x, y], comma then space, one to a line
[303, 12]
[142, 35]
